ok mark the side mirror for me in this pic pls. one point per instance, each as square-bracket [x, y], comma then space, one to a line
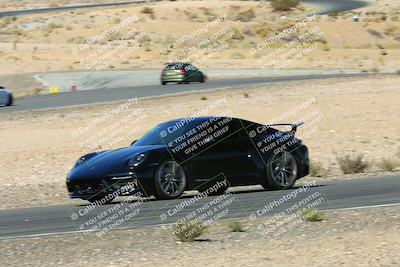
[133, 142]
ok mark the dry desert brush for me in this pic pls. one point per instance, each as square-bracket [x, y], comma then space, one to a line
[188, 232]
[316, 169]
[236, 226]
[388, 165]
[311, 215]
[284, 5]
[350, 164]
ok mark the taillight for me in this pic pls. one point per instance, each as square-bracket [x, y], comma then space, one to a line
[182, 72]
[162, 73]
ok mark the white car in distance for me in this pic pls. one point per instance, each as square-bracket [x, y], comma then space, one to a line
[6, 98]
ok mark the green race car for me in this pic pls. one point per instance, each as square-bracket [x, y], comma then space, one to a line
[180, 72]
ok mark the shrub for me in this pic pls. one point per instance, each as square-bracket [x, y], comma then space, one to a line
[236, 227]
[147, 10]
[333, 14]
[237, 56]
[187, 232]
[374, 33]
[311, 215]
[284, 5]
[390, 29]
[236, 34]
[324, 47]
[246, 15]
[52, 26]
[247, 30]
[263, 32]
[316, 169]
[37, 90]
[375, 70]
[352, 165]
[388, 165]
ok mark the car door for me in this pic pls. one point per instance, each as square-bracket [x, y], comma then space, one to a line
[231, 155]
[240, 158]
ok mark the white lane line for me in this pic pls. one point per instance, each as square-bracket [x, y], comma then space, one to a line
[165, 224]
[366, 207]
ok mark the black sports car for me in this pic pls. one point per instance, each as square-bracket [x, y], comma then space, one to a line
[193, 153]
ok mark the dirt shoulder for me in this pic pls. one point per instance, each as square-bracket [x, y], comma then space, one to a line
[367, 237]
[48, 42]
[342, 117]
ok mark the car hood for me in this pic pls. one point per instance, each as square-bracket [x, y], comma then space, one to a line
[106, 164]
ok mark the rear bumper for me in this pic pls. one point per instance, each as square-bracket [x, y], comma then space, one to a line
[304, 162]
[174, 78]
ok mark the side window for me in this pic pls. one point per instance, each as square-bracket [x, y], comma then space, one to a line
[190, 67]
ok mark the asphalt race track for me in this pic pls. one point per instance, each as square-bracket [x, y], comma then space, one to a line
[322, 7]
[359, 193]
[114, 94]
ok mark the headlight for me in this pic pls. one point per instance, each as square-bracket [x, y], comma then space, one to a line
[80, 161]
[137, 160]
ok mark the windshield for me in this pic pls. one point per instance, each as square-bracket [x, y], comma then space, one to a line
[175, 66]
[173, 130]
[150, 138]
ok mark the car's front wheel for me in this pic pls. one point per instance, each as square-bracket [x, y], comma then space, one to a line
[281, 171]
[170, 180]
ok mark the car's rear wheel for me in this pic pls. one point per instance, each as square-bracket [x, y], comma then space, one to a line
[10, 100]
[281, 171]
[170, 180]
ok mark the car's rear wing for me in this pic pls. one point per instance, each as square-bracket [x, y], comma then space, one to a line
[293, 125]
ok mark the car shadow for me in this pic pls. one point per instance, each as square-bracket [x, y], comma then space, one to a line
[187, 196]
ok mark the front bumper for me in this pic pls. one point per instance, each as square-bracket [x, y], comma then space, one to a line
[141, 178]
[86, 188]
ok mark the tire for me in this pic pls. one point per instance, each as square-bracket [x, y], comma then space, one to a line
[10, 100]
[170, 180]
[281, 171]
[209, 185]
[163, 83]
[202, 80]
